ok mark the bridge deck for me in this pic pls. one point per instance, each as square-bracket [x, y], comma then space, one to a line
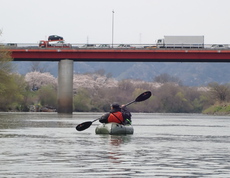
[124, 55]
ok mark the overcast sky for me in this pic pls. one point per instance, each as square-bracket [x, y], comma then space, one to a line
[135, 21]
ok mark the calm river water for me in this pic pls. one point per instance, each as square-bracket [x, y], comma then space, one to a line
[163, 145]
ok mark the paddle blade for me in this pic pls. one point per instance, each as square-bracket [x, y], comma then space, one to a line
[83, 126]
[144, 96]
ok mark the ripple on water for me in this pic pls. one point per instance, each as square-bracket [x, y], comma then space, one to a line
[162, 146]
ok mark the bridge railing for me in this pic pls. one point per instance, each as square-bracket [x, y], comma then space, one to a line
[117, 46]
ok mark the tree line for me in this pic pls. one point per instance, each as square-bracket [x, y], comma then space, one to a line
[38, 92]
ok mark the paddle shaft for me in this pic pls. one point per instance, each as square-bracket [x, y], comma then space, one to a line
[95, 120]
[130, 103]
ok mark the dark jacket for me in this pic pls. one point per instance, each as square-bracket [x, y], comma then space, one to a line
[119, 115]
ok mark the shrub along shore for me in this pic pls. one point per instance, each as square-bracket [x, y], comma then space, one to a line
[93, 92]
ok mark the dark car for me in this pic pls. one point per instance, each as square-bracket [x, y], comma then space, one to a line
[89, 46]
[125, 46]
[219, 46]
[54, 37]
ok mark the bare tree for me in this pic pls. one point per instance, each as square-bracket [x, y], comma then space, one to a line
[6, 66]
[37, 67]
[166, 78]
[109, 75]
[100, 72]
[219, 92]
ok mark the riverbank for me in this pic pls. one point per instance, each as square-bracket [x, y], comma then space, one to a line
[219, 109]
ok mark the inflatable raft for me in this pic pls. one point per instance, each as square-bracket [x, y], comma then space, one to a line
[114, 129]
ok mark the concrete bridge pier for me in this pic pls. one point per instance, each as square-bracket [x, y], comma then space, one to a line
[65, 86]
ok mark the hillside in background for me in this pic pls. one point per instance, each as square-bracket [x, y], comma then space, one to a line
[191, 74]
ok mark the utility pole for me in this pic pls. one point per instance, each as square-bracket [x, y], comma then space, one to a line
[112, 26]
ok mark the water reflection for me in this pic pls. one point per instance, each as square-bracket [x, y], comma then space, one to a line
[116, 140]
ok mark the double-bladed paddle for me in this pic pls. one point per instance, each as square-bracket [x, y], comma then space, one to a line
[142, 97]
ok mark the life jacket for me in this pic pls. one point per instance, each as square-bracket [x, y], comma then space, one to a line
[116, 117]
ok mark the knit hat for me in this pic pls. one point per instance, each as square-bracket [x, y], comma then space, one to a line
[115, 105]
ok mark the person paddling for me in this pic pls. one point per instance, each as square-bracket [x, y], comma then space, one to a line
[117, 114]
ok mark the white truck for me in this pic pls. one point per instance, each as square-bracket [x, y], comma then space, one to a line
[181, 42]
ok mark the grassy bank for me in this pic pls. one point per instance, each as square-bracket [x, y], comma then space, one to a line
[219, 109]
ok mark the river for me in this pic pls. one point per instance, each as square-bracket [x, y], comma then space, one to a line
[163, 145]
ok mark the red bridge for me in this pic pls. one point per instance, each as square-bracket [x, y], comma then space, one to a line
[125, 55]
[66, 57]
